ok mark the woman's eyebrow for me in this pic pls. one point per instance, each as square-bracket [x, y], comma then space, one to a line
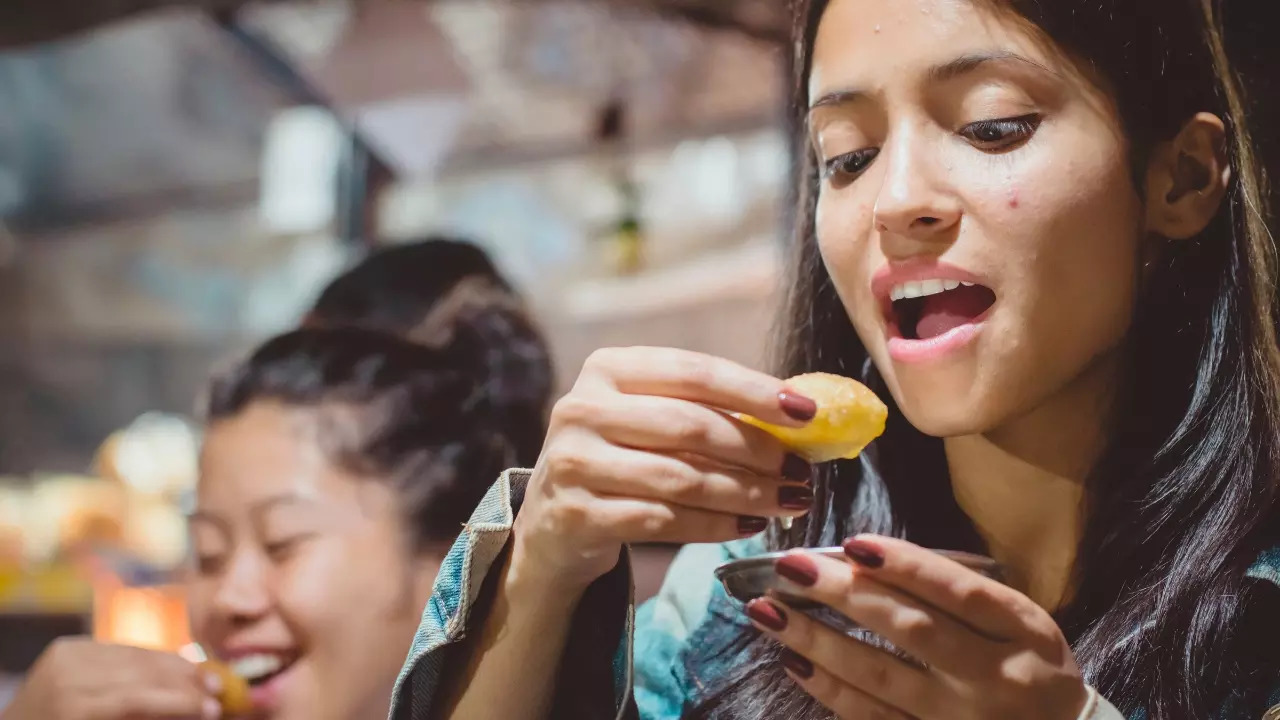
[970, 62]
[264, 507]
[942, 72]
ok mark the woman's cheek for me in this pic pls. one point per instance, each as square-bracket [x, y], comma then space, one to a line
[843, 226]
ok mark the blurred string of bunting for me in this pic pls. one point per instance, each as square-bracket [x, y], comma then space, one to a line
[27, 22]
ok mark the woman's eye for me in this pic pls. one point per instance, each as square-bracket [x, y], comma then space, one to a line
[283, 548]
[844, 168]
[1001, 134]
[208, 564]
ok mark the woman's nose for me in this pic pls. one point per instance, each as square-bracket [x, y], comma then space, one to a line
[242, 594]
[915, 200]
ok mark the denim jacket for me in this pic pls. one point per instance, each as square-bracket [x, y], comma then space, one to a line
[640, 658]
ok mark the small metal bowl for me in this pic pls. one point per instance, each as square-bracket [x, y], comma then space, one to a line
[749, 578]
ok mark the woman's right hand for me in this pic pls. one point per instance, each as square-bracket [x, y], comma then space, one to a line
[79, 679]
[643, 450]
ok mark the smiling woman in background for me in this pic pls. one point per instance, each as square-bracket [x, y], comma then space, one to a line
[338, 466]
[340, 462]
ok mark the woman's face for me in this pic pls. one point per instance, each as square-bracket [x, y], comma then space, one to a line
[977, 212]
[304, 582]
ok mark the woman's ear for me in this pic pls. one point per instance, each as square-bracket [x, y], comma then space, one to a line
[1187, 179]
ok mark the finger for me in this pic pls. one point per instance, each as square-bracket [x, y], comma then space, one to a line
[638, 520]
[624, 472]
[990, 608]
[848, 661]
[176, 687]
[663, 424]
[920, 630]
[846, 701]
[700, 378]
[164, 668]
[170, 704]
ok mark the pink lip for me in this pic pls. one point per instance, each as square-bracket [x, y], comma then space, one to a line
[267, 696]
[919, 351]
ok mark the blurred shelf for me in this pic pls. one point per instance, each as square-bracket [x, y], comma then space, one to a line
[750, 271]
[52, 590]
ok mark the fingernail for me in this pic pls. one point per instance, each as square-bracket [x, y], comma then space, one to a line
[211, 710]
[796, 468]
[213, 683]
[864, 553]
[751, 525]
[767, 614]
[795, 497]
[799, 666]
[799, 568]
[797, 407]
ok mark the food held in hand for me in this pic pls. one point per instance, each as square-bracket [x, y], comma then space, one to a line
[234, 697]
[849, 417]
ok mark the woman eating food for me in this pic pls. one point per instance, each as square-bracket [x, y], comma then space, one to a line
[338, 466]
[1038, 232]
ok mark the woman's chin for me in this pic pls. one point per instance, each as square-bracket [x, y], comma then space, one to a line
[944, 426]
[944, 415]
[943, 404]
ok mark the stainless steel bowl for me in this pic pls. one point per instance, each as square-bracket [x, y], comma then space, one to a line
[749, 578]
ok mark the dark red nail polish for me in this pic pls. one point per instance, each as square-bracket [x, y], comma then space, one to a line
[795, 497]
[798, 665]
[799, 568]
[864, 553]
[767, 614]
[796, 468]
[797, 407]
[748, 526]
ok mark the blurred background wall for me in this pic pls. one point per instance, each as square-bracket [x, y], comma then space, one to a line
[170, 194]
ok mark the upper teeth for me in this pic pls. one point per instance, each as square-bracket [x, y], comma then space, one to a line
[924, 288]
[252, 667]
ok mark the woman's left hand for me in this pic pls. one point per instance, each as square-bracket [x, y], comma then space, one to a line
[991, 652]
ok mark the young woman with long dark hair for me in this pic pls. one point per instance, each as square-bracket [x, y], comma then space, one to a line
[1038, 230]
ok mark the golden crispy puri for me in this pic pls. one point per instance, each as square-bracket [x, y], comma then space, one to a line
[849, 417]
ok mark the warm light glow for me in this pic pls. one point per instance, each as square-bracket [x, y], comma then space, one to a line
[153, 617]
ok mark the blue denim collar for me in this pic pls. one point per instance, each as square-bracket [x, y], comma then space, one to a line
[1267, 568]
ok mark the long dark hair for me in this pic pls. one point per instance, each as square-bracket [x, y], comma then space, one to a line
[426, 420]
[1186, 495]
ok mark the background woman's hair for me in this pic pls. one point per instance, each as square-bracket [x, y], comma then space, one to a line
[424, 291]
[394, 287]
[1186, 496]
[421, 418]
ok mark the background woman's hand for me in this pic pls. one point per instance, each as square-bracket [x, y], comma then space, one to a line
[636, 453]
[78, 679]
[991, 652]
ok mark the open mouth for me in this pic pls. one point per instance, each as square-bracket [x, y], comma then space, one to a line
[261, 668]
[926, 309]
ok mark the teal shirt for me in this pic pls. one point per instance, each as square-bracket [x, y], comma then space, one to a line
[646, 678]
